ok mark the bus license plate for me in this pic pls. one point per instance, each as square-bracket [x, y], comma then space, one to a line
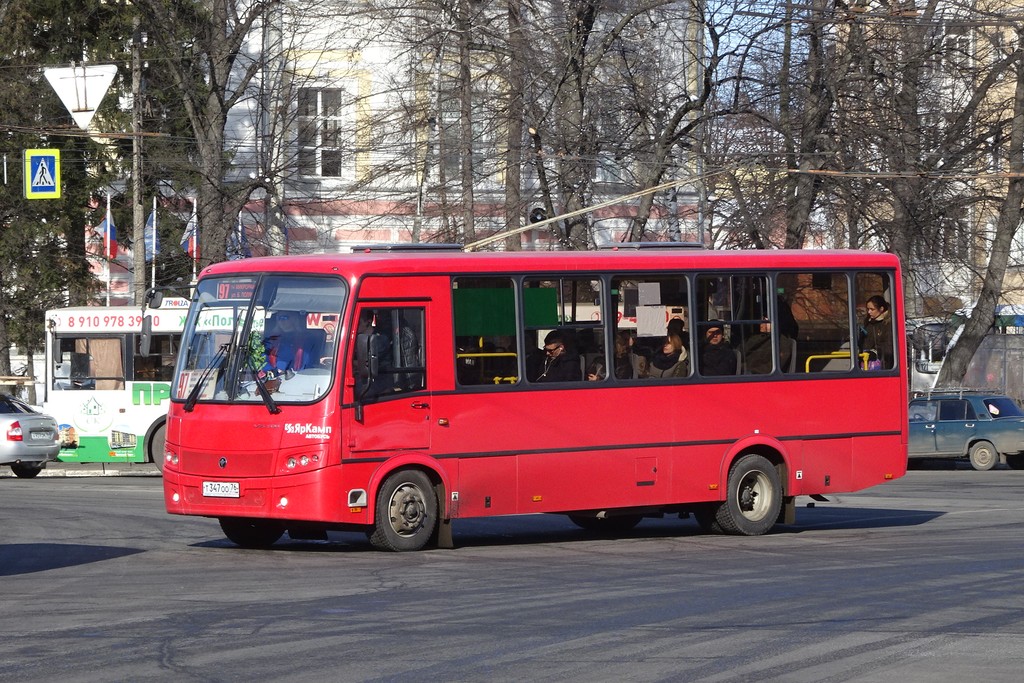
[220, 489]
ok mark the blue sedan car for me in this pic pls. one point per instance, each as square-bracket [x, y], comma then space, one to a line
[982, 427]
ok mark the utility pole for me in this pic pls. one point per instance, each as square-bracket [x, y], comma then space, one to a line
[138, 212]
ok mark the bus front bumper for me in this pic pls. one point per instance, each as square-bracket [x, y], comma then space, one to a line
[318, 496]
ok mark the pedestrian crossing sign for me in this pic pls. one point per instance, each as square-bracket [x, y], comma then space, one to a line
[42, 174]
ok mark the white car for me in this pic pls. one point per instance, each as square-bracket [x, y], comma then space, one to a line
[28, 439]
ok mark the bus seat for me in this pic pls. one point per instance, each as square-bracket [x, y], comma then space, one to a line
[312, 343]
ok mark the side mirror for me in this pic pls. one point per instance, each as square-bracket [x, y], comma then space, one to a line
[364, 366]
[146, 337]
[367, 360]
[154, 298]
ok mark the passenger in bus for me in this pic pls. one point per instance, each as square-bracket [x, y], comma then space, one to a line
[671, 361]
[628, 363]
[878, 331]
[555, 362]
[716, 358]
[596, 371]
[408, 357]
[757, 351]
[675, 326]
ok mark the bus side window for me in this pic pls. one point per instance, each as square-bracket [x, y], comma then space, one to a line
[80, 377]
[875, 318]
[389, 354]
[486, 351]
[816, 308]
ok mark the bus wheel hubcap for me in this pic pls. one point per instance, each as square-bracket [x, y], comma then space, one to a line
[407, 509]
[752, 501]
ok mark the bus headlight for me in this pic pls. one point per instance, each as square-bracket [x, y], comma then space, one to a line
[293, 462]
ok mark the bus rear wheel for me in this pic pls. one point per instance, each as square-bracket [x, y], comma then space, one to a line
[753, 497]
[406, 512]
[983, 456]
[251, 533]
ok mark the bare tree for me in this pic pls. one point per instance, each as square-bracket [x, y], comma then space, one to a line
[1006, 226]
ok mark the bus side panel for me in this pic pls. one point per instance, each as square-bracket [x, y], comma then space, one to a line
[826, 466]
[870, 460]
[593, 479]
[487, 486]
[585, 448]
[576, 448]
[107, 426]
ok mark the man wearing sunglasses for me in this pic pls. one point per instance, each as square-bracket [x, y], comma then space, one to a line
[554, 363]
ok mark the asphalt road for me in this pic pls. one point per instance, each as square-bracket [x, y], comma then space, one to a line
[917, 580]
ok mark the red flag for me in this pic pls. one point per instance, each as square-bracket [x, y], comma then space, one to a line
[109, 232]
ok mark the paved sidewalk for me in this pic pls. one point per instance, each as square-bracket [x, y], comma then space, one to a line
[93, 469]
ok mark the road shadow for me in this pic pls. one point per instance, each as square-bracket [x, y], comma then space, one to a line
[28, 558]
[554, 528]
[948, 464]
[824, 516]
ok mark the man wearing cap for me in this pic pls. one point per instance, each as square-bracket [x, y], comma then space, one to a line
[716, 358]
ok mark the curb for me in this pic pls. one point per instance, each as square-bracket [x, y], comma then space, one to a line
[98, 472]
[94, 469]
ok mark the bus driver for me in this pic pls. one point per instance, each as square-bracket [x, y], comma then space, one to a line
[289, 346]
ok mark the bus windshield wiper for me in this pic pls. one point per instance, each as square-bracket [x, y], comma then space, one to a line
[216, 361]
[264, 393]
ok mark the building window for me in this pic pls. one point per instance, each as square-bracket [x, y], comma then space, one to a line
[322, 135]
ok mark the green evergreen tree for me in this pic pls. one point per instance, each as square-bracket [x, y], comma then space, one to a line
[42, 242]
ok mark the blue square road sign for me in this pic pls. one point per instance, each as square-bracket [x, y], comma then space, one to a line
[42, 174]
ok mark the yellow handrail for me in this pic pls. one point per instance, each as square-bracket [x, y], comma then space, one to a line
[864, 357]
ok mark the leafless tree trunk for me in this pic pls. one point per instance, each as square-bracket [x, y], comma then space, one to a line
[465, 31]
[808, 148]
[514, 126]
[980, 321]
[203, 43]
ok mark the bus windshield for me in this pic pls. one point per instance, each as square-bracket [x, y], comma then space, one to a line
[269, 338]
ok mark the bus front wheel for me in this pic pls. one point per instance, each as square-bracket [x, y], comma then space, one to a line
[251, 533]
[406, 512]
[754, 497]
[156, 446]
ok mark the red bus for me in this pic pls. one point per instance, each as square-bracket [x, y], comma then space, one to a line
[432, 385]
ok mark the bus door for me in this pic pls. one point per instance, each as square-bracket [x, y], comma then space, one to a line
[387, 380]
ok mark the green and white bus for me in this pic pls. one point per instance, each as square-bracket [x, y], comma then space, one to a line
[109, 399]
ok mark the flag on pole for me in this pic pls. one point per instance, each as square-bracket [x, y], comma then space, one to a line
[190, 238]
[151, 237]
[109, 232]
